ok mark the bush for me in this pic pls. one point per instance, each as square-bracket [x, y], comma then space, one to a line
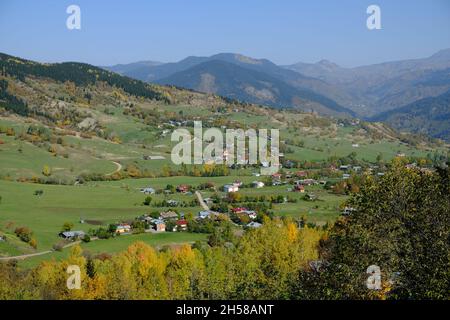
[147, 201]
[67, 226]
[24, 234]
[86, 238]
[33, 243]
[58, 246]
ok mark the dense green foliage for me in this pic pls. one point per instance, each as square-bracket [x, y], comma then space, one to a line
[402, 225]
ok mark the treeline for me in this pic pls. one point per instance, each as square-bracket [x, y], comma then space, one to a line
[79, 73]
[263, 263]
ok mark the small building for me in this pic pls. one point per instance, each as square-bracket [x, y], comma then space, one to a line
[306, 182]
[254, 225]
[172, 203]
[258, 184]
[148, 190]
[123, 228]
[276, 176]
[237, 183]
[183, 188]
[345, 176]
[251, 214]
[230, 188]
[182, 225]
[301, 174]
[239, 209]
[299, 188]
[158, 225]
[72, 235]
[310, 197]
[168, 215]
[205, 214]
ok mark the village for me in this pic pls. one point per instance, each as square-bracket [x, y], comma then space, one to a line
[244, 212]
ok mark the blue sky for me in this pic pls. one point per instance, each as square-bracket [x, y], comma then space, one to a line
[284, 31]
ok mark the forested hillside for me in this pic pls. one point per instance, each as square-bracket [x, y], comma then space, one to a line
[79, 73]
[430, 116]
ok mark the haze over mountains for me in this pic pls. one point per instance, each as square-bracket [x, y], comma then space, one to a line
[244, 78]
[381, 87]
[325, 87]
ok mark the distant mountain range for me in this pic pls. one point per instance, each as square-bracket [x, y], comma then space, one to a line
[131, 67]
[240, 77]
[325, 87]
[385, 86]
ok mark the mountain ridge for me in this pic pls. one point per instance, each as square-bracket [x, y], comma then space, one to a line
[230, 80]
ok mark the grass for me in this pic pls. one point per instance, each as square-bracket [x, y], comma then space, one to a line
[115, 201]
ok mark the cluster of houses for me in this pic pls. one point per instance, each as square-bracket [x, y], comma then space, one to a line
[160, 224]
[182, 188]
[234, 187]
[252, 215]
[244, 211]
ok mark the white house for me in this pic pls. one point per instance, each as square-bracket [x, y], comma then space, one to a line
[251, 214]
[254, 225]
[258, 184]
[231, 188]
[148, 190]
[72, 234]
[123, 228]
[204, 214]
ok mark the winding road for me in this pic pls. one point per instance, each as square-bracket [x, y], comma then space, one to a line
[24, 256]
[201, 201]
[119, 167]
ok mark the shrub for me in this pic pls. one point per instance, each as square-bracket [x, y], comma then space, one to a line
[33, 243]
[58, 246]
[24, 234]
[147, 201]
[67, 226]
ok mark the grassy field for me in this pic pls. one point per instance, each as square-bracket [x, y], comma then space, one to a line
[115, 201]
